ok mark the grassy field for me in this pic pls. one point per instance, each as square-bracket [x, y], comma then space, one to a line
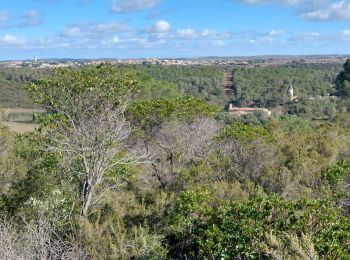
[20, 128]
[19, 120]
[19, 114]
[12, 86]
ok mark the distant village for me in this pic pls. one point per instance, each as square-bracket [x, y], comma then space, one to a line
[36, 63]
[220, 61]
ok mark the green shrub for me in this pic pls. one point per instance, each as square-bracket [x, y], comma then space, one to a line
[206, 228]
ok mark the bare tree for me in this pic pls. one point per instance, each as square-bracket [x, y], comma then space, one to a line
[31, 241]
[177, 144]
[87, 126]
[247, 161]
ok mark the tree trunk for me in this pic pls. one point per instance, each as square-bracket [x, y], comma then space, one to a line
[87, 195]
[86, 201]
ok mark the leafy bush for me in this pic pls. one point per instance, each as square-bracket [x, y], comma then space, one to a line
[204, 227]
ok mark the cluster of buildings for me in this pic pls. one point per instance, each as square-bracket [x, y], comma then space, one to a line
[169, 62]
[40, 64]
[36, 63]
[224, 61]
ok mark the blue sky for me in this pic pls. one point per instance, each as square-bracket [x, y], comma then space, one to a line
[172, 28]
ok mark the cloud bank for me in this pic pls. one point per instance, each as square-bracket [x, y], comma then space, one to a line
[313, 10]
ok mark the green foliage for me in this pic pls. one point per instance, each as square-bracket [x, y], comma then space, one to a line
[292, 123]
[20, 115]
[343, 80]
[268, 86]
[338, 175]
[38, 184]
[204, 82]
[12, 167]
[307, 149]
[314, 109]
[105, 83]
[289, 246]
[12, 90]
[343, 87]
[205, 228]
[111, 236]
[148, 114]
[226, 199]
[151, 88]
[244, 132]
[13, 93]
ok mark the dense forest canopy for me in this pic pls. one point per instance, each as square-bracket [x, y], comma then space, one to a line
[259, 87]
[158, 82]
[200, 81]
[118, 170]
[268, 86]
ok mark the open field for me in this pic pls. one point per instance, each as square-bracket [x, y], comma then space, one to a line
[19, 114]
[20, 128]
[19, 120]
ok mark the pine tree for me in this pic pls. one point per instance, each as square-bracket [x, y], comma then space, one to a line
[343, 81]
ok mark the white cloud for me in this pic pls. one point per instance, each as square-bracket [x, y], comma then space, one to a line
[12, 40]
[111, 42]
[125, 6]
[277, 32]
[147, 43]
[313, 34]
[186, 33]
[29, 19]
[161, 27]
[306, 37]
[72, 32]
[271, 37]
[287, 2]
[315, 10]
[207, 33]
[334, 11]
[109, 27]
[345, 34]
[32, 14]
[154, 15]
[202, 35]
[3, 16]
[91, 30]
[219, 43]
[161, 37]
[115, 39]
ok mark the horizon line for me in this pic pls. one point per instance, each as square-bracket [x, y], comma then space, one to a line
[185, 58]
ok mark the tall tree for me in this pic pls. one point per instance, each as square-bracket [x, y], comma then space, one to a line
[86, 124]
[343, 80]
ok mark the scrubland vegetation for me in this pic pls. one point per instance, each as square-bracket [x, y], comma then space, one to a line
[12, 82]
[313, 84]
[135, 163]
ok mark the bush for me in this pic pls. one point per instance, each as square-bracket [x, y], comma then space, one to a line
[207, 228]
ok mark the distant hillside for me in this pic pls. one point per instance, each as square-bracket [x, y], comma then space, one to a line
[12, 82]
